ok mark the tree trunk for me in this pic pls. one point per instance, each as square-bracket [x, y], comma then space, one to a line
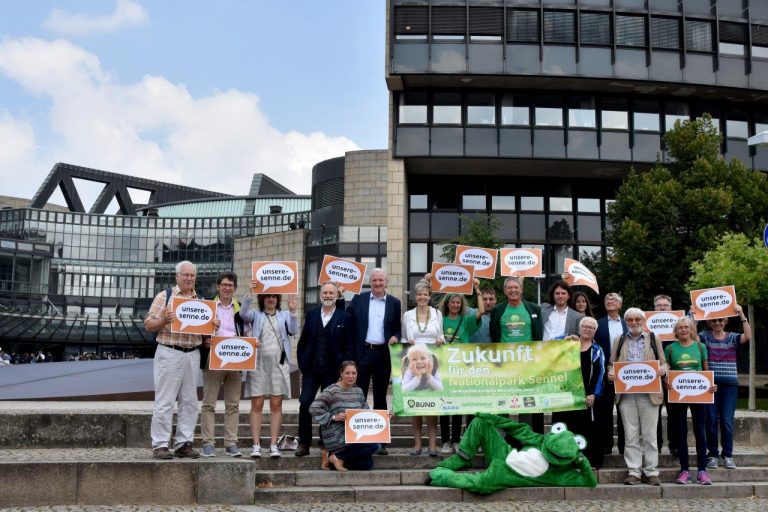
[752, 355]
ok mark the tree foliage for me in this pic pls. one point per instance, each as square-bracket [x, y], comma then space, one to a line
[665, 219]
[735, 260]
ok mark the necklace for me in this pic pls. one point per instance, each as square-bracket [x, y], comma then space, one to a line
[418, 324]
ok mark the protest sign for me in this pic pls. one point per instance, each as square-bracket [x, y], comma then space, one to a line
[713, 303]
[232, 353]
[452, 278]
[520, 262]
[193, 316]
[349, 274]
[580, 275]
[662, 323]
[483, 260]
[499, 378]
[367, 426]
[691, 387]
[639, 377]
[275, 277]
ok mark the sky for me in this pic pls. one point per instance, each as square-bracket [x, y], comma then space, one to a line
[194, 92]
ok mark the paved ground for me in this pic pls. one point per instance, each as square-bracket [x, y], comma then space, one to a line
[653, 505]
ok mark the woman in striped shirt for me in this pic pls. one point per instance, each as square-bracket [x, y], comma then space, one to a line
[329, 411]
[721, 349]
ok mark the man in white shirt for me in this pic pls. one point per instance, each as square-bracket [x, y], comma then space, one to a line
[609, 328]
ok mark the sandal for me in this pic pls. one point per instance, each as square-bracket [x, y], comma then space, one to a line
[415, 452]
[337, 463]
[433, 453]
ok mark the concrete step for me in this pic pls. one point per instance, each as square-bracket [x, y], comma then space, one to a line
[420, 493]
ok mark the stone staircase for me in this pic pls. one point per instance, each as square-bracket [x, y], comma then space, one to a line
[98, 454]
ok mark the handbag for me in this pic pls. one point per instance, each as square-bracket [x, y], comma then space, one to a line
[287, 442]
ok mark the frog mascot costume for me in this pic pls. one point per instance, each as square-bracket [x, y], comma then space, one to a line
[552, 460]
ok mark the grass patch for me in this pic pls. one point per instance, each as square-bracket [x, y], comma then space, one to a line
[761, 404]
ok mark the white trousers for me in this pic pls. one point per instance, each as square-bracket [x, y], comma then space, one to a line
[174, 373]
[640, 417]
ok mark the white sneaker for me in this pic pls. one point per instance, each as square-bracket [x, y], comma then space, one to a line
[274, 451]
[256, 451]
[447, 448]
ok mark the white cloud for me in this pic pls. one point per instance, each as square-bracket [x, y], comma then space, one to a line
[127, 14]
[151, 128]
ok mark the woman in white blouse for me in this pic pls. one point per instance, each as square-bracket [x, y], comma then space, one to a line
[423, 324]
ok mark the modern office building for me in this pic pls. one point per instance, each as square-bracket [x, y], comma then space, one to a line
[534, 110]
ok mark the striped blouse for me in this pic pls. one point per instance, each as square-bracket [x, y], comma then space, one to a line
[333, 400]
[722, 356]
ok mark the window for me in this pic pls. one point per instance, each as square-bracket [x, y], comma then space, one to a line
[419, 202]
[412, 108]
[588, 205]
[559, 27]
[589, 227]
[614, 114]
[437, 254]
[418, 258]
[733, 38]
[486, 23]
[515, 110]
[473, 203]
[736, 129]
[675, 111]
[532, 203]
[646, 116]
[581, 112]
[522, 26]
[549, 111]
[446, 108]
[665, 33]
[698, 36]
[630, 30]
[560, 204]
[449, 23]
[595, 28]
[760, 41]
[481, 109]
[502, 203]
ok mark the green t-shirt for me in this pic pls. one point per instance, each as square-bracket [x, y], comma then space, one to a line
[686, 358]
[515, 324]
[467, 328]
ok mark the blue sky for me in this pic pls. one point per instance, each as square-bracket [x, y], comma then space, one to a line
[195, 92]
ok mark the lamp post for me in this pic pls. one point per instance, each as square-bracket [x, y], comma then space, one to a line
[757, 140]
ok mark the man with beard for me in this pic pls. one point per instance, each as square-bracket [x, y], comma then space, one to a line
[639, 411]
[324, 344]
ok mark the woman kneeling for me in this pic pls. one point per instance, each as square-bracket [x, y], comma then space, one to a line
[329, 411]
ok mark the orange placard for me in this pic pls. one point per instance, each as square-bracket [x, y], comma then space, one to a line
[452, 278]
[275, 277]
[232, 353]
[367, 426]
[520, 262]
[580, 275]
[483, 260]
[662, 323]
[193, 316]
[691, 387]
[639, 377]
[713, 303]
[348, 273]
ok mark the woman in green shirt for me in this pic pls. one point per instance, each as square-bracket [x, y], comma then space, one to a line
[458, 326]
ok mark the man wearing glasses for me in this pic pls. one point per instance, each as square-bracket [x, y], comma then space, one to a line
[639, 411]
[177, 359]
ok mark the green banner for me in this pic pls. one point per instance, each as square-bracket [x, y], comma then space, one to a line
[466, 378]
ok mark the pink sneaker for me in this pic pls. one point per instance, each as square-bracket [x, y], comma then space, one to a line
[684, 477]
[704, 479]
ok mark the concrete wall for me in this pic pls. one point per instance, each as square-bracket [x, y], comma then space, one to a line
[365, 188]
[397, 228]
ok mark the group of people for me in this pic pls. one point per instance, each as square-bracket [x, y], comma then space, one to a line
[343, 352]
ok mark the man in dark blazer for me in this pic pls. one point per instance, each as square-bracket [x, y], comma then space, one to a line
[376, 319]
[609, 328]
[324, 344]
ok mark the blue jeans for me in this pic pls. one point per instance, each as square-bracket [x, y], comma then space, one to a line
[678, 413]
[358, 456]
[720, 414]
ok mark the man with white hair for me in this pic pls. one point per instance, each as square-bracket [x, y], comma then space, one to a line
[177, 359]
[639, 411]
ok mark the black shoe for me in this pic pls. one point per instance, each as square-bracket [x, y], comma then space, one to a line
[162, 453]
[383, 451]
[185, 451]
[302, 451]
[674, 452]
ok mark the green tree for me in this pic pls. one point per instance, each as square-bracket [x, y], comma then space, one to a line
[742, 262]
[663, 220]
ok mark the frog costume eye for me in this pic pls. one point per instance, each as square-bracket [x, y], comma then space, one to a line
[558, 428]
[580, 441]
